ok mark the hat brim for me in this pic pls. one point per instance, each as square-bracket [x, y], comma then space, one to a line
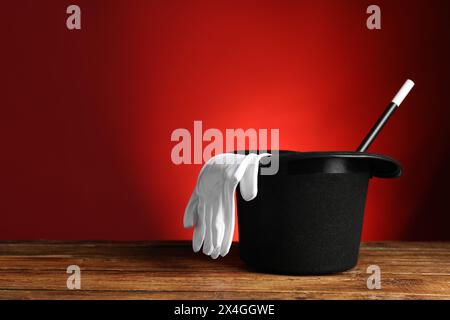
[381, 166]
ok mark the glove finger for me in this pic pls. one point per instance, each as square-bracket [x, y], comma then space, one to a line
[216, 252]
[240, 169]
[228, 206]
[190, 213]
[249, 183]
[208, 243]
[220, 237]
[199, 230]
[218, 223]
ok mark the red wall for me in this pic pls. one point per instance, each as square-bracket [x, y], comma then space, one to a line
[87, 115]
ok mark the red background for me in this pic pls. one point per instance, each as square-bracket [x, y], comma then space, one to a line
[87, 115]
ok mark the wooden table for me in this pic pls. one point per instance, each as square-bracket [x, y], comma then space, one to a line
[170, 270]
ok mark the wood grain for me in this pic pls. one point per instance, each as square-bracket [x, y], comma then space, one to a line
[170, 270]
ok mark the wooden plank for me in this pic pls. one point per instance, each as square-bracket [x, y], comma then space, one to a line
[169, 270]
[200, 295]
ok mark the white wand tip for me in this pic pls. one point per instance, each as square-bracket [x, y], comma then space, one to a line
[403, 92]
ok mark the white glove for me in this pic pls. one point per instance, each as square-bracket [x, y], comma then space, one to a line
[211, 206]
